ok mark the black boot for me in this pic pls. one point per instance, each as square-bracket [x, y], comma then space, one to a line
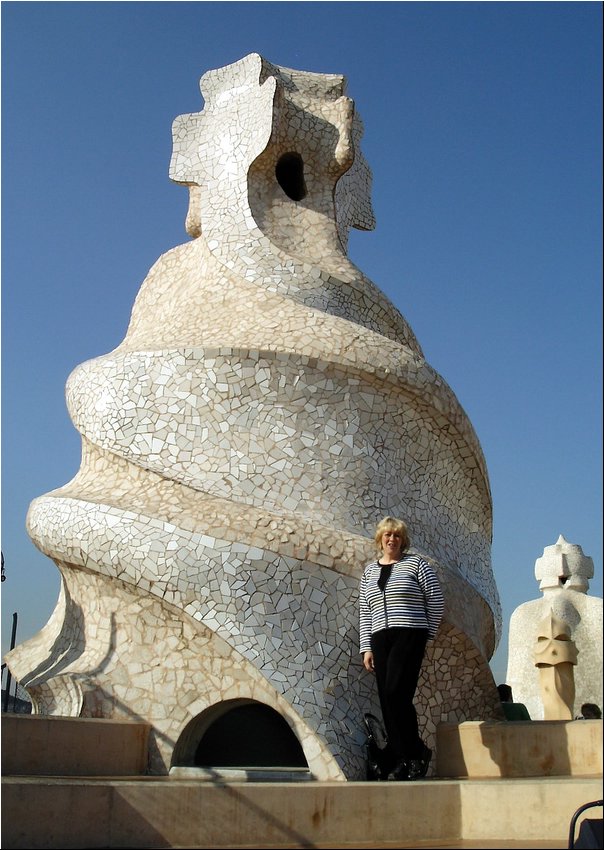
[419, 767]
[400, 773]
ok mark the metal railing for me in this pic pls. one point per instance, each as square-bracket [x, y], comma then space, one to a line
[12, 701]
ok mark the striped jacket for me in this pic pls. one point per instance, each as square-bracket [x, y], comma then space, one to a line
[412, 599]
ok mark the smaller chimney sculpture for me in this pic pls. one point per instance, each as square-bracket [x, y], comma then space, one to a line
[555, 642]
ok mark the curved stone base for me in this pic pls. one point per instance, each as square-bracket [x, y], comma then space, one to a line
[136, 657]
[111, 650]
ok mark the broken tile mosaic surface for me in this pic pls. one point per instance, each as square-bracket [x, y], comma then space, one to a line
[266, 408]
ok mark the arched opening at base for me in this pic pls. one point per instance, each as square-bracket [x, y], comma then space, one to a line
[239, 733]
[251, 735]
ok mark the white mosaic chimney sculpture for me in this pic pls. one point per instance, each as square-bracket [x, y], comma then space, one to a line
[267, 407]
[563, 573]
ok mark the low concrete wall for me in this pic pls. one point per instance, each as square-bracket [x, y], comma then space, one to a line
[35, 744]
[160, 812]
[515, 749]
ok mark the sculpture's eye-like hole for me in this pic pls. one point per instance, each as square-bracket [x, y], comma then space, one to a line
[289, 172]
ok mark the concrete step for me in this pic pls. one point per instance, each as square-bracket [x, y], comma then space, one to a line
[514, 749]
[243, 774]
[35, 744]
[154, 812]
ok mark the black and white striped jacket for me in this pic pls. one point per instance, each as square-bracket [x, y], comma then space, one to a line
[412, 599]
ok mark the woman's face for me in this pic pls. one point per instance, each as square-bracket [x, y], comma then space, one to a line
[391, 543]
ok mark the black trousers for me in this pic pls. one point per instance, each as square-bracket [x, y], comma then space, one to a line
[397, 658]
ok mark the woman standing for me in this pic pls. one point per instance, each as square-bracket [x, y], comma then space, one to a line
[401, 606]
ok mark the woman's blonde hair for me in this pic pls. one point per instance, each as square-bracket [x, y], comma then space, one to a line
[390, 523]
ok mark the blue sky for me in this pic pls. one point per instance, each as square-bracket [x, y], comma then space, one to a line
[483, 133]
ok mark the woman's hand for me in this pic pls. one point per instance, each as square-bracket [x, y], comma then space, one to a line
[368, 661]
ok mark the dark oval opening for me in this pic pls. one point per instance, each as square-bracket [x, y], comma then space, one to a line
[289, 172]
[252, 735]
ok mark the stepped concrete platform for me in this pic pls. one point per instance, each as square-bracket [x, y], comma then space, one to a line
[218, 810]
